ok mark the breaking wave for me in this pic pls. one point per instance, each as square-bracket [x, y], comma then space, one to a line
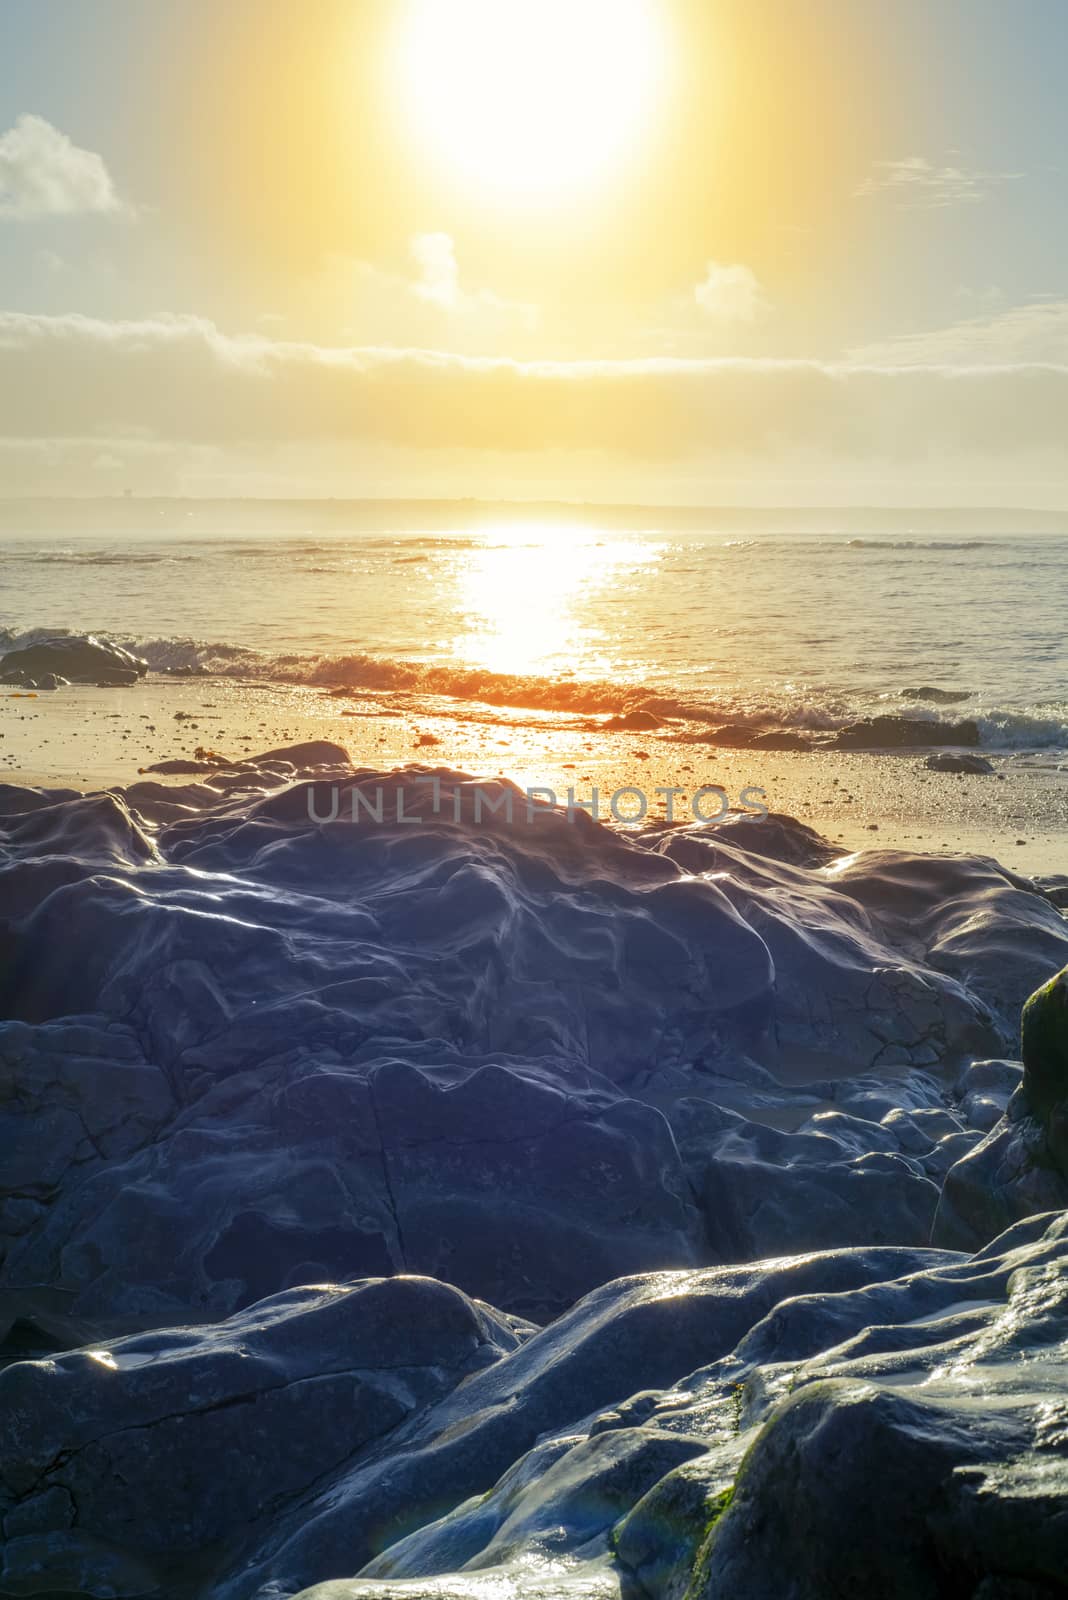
[737, 715]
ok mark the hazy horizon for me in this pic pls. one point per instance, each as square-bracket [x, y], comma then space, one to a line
[472, 508]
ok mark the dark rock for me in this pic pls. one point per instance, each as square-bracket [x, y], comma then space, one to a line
[1054, 886]
[940, 697]
[659, 1543]
[596, 1191]
[985, 1090]
[775, 835]
[763, 1192]
[180, 766]
[1009, 940]
[947, 761]
[638, 1334]
[167, 1443]
[1021, 1167]
[744, 736]
[304, 757]
[946, 1503]
[1044, 1045]
[894, 733]
[47, 680]
[524, 1055]
[77, 659]
[312, 1026]
[1010, 1175]
[631, 722]
[399, 1434]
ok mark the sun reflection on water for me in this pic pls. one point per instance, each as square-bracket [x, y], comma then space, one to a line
[542, 600]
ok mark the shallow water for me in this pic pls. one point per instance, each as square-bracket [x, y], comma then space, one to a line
[796, 630]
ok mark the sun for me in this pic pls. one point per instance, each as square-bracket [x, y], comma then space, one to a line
[529, 99]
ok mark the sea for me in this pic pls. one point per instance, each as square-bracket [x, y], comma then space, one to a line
[763, 627]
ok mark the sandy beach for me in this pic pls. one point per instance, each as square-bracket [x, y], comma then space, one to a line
[85, 738]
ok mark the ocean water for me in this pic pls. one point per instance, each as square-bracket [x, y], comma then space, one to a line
[806, 631]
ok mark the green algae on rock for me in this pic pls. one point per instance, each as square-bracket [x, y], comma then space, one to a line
[1044, 1044]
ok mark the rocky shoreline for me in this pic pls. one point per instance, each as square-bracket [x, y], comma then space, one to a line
[520, 1209]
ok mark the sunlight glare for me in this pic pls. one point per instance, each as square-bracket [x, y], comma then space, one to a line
[529, 98]
[529, 598]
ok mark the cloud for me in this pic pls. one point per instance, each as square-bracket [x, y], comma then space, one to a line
[430, 304]
[730, 293]
[1030, 334]
[919, 184]
[439, 276]
[439, 282]
[181, 379]
[44, 174]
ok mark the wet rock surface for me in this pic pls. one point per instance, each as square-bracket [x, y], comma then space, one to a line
[349, 1058]
[888, 733]
[1022, 1165]
[397, 1436]
[71, 658]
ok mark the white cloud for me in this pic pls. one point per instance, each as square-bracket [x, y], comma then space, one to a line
[439, 276]
[181, 379]
[44, 174]
[365, 300]
[439, 283]
[730, 293]
[919, 184]
[1034, 334]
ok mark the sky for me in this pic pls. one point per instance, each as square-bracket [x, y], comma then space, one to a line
[663, 251]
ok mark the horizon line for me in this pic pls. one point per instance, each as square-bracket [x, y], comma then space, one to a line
[133, 497]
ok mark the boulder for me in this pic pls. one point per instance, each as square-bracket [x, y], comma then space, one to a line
[1021, 1167]
[895, 733]
[691, 1432]
[936, 696]
[929, 1488]
[480, 1459]
[132, 1459]
[75, 658]
[951, 761]
[43, 680]
[1044, 1046]
[746, 736]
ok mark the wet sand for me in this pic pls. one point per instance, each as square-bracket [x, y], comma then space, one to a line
[89, 738]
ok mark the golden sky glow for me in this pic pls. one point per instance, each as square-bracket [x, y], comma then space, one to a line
[655, 250]
[526, 99]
